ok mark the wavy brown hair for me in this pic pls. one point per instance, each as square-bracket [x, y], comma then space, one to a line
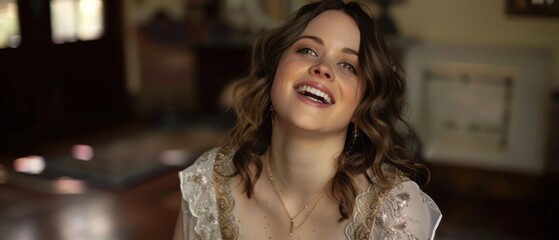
[383, 133]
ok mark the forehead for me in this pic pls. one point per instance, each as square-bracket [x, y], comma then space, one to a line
[334, 25]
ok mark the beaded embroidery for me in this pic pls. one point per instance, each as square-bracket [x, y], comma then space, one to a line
[380, 211]
[198, 191]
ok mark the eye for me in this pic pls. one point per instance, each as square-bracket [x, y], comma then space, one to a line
[307, 51]
[348, 67]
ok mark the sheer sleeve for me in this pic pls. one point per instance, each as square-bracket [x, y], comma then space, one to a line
[184, 230]
[406, 212]
[198, 215]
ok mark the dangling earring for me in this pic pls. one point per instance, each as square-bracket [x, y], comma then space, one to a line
[272, 110]
[355, 134]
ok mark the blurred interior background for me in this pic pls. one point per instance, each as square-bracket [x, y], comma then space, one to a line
[103, 102]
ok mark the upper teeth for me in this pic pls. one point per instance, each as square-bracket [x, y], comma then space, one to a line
[317, 92]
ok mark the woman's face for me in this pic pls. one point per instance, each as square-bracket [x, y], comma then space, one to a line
[317, 83]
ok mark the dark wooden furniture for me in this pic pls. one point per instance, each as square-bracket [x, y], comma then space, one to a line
[51, 90]
[218, 64]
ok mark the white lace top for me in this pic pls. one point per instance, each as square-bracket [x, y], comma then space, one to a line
[393, 211]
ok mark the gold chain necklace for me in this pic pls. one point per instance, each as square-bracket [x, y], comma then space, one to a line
[313, 202]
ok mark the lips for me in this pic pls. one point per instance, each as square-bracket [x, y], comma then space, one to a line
[315, 93]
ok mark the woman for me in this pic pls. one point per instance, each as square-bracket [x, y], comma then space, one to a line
[318, 150]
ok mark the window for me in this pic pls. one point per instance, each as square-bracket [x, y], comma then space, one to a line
[76, 20]
[9, 24]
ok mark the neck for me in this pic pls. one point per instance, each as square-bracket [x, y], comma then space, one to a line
[303, 164]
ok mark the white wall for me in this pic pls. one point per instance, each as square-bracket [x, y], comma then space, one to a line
[525, 129]
[480, 31]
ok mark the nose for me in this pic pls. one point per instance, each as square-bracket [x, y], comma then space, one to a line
[321, 70]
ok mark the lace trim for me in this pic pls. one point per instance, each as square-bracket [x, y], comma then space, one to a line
[364, 219]
[226, 203]
[397, 228]
[198, 192]
[368, 203]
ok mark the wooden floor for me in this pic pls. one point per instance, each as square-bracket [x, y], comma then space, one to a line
[145, 211]
[96, 202]
[476, 204]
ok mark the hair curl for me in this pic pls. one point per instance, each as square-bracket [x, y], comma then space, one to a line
[383, 133]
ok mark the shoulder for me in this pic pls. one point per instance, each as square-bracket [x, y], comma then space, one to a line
[406, 211]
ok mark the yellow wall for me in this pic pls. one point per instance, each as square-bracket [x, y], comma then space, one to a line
[477, 22]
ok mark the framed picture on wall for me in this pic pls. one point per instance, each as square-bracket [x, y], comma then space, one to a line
[533, 7]
[480, 106]
[467, 107]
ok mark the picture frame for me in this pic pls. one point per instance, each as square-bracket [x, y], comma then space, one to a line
[467, 107]
[479, 106]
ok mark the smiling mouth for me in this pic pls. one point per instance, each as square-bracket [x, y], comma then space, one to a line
[314, 94]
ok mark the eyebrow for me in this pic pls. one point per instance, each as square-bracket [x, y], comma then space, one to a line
[321, 42]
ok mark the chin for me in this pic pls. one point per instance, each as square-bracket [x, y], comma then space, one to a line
[315, 125]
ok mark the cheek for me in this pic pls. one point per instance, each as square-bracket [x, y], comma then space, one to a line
[274, 92]
[359, 94]
[354, 92]
[278, 87]
[280, 82]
